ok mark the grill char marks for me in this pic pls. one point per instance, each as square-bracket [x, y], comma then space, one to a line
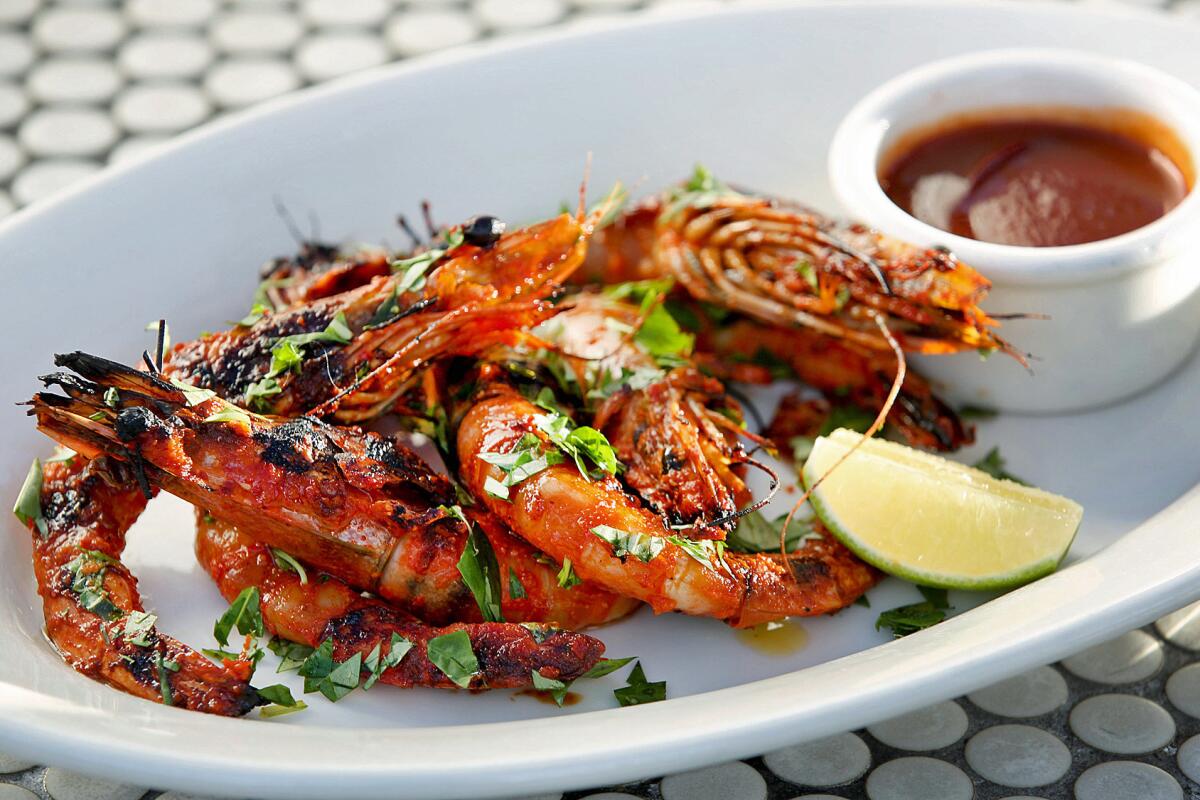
[229, 362]
[296, 446]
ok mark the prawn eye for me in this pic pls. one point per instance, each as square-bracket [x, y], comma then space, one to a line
[483, 231]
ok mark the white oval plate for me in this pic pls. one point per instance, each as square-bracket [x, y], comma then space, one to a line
[755, 94]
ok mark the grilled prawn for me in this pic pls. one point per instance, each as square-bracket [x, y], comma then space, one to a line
[357, 505]
[610, 538]
[349, 354]
[785, 265]
[94, 615]
[316, 608]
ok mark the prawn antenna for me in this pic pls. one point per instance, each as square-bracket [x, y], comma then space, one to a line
[587, 174]
[288, 220]
[880, 419]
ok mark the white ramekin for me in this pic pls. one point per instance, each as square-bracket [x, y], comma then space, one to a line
[1123, 312]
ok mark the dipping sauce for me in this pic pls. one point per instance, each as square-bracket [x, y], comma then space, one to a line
[1050, 177]
[775, 638]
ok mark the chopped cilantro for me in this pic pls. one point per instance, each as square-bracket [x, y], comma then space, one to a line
[579, 443]
[606, 666]
[638, 690]
[556, 688]
[164, 683]
[626, 543]
[112, 397]
[909, 619]
[526, 459]
[755, 534]
[281, 701]
[193, 395]
[937, 598]
[567, 577]
[377, 661]
[661, 337]
[325, 675]
[452, 654]
[388, 311]
[230, 413]
[289, 564]
[412, 270]
[244, 613]
[291, 654]
[702, 190]
[288, 353]
[863, 601]
[138, 626]
[849, 417]
[87, 572]
[257, 312]
[480, 571]
[516, 590]
[704, 551]
[976, 412]
[28, 507]
[993, 464]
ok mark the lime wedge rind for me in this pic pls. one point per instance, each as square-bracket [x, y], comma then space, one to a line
[980, 533]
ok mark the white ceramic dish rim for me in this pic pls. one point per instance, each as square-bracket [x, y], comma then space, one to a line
[169, 747]
[855, 151]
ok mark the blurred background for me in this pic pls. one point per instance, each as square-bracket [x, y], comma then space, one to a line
[85, 83]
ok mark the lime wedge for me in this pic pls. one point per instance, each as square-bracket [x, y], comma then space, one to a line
[935, 522]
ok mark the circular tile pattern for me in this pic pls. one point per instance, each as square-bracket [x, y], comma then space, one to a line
[61, 30]
[321, 58]
[1030, 694]
[1122, 724]
[135, 146]
[918, 776]
[12, 158]
[1018, 756]
[169, 13]
[514, 14]
[243, 82]
[16, 54]
[13, 104]
[612, 796]
[67, 132]
[931, 728]
[825, 762]
[1129, 658]
[344, 13]
[47, 177]
[165, 56]
[13, 12]
[419, 32]
[1183, 690]
[1188, 758]
[64, 785]
[12, 763]
[1182, 628]
[256, 32]
[160, 108]
[1126, 780]
[734, 779]
[73, 80]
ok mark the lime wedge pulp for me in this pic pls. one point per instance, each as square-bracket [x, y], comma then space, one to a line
[933, 521]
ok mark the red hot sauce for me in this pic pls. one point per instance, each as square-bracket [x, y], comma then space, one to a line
[1039, 177]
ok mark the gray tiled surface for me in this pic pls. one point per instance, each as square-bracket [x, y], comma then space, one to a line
[85, 84]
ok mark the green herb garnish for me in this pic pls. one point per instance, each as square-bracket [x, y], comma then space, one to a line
[87, 572]
[993, 464]
[138, 626]
[567, 577]
[579, 443]
[480, 571]
[291, 654]
[377, 661]
[243, 613]
[755, 534]
[627, 543]
[452, 654]
[413, 270]
[164, 684]
[28, 507]
[638, 690]
[285, 562]
[281, 700]
[516, 590]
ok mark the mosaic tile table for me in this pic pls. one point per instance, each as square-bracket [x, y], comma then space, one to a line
[85, 84]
